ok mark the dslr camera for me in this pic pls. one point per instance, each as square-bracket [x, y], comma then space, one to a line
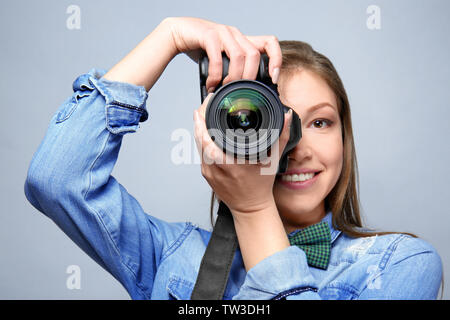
[246, 117]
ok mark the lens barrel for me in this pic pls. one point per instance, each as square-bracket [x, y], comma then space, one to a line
[245, 118]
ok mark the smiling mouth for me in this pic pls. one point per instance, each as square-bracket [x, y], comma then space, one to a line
[298, 181]
[298, 177]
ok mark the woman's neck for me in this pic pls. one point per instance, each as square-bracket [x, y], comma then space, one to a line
[296, 221]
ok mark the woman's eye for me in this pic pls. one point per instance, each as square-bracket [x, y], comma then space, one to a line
[321, 123]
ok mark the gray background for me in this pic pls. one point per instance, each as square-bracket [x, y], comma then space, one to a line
[396, 78]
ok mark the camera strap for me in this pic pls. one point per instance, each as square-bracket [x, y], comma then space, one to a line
[216, 263]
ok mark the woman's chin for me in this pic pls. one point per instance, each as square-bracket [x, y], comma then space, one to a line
[298, 206]
[299, 209]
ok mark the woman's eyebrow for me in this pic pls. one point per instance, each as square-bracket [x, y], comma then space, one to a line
[321, 105]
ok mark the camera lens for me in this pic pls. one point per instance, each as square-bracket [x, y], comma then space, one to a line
[245, 118]
[243, 109]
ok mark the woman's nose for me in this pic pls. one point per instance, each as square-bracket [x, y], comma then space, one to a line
[301, 152]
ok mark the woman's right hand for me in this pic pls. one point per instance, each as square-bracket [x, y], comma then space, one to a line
[191, 35]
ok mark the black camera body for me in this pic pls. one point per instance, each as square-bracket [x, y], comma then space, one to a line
[246, 117]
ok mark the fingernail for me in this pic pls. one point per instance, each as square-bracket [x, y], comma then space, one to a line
[275, 75]
[290, 116]
[211, 90]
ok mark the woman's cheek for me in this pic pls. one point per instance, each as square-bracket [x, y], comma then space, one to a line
[331, 154]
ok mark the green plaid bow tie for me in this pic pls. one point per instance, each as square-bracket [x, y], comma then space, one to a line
[315, 241]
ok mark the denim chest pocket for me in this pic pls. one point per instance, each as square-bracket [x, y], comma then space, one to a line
[181, 289]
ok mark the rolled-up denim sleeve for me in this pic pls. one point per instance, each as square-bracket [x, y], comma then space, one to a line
[283, 275]
[69, 180]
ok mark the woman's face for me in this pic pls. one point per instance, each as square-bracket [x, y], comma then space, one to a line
[319, 151]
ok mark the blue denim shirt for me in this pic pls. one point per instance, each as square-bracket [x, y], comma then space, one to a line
[69, 180]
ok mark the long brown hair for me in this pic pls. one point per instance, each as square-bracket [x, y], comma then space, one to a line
[343, 199]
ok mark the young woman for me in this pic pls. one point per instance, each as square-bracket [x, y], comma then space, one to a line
[70, 181]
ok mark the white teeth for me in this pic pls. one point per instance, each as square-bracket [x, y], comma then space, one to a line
[294, 177]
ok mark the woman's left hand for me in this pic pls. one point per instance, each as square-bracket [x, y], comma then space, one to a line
[245, 188]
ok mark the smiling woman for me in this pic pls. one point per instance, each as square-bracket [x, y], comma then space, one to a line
[300, 233]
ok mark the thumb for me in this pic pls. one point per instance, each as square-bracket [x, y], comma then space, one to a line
[285, 134]
[202, 109]
[281, 142]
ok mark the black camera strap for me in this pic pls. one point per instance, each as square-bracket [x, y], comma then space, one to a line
[216, 263]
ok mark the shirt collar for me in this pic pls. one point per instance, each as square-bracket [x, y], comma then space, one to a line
[334, 233]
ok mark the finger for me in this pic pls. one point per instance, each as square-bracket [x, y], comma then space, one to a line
[202, 108]
[271, 46]
[252, 55]
[201, 140]
[212, 45]
[209, 152]
[235, 54]
[197, 134]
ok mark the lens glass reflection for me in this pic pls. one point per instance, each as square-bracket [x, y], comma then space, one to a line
[243, 109]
